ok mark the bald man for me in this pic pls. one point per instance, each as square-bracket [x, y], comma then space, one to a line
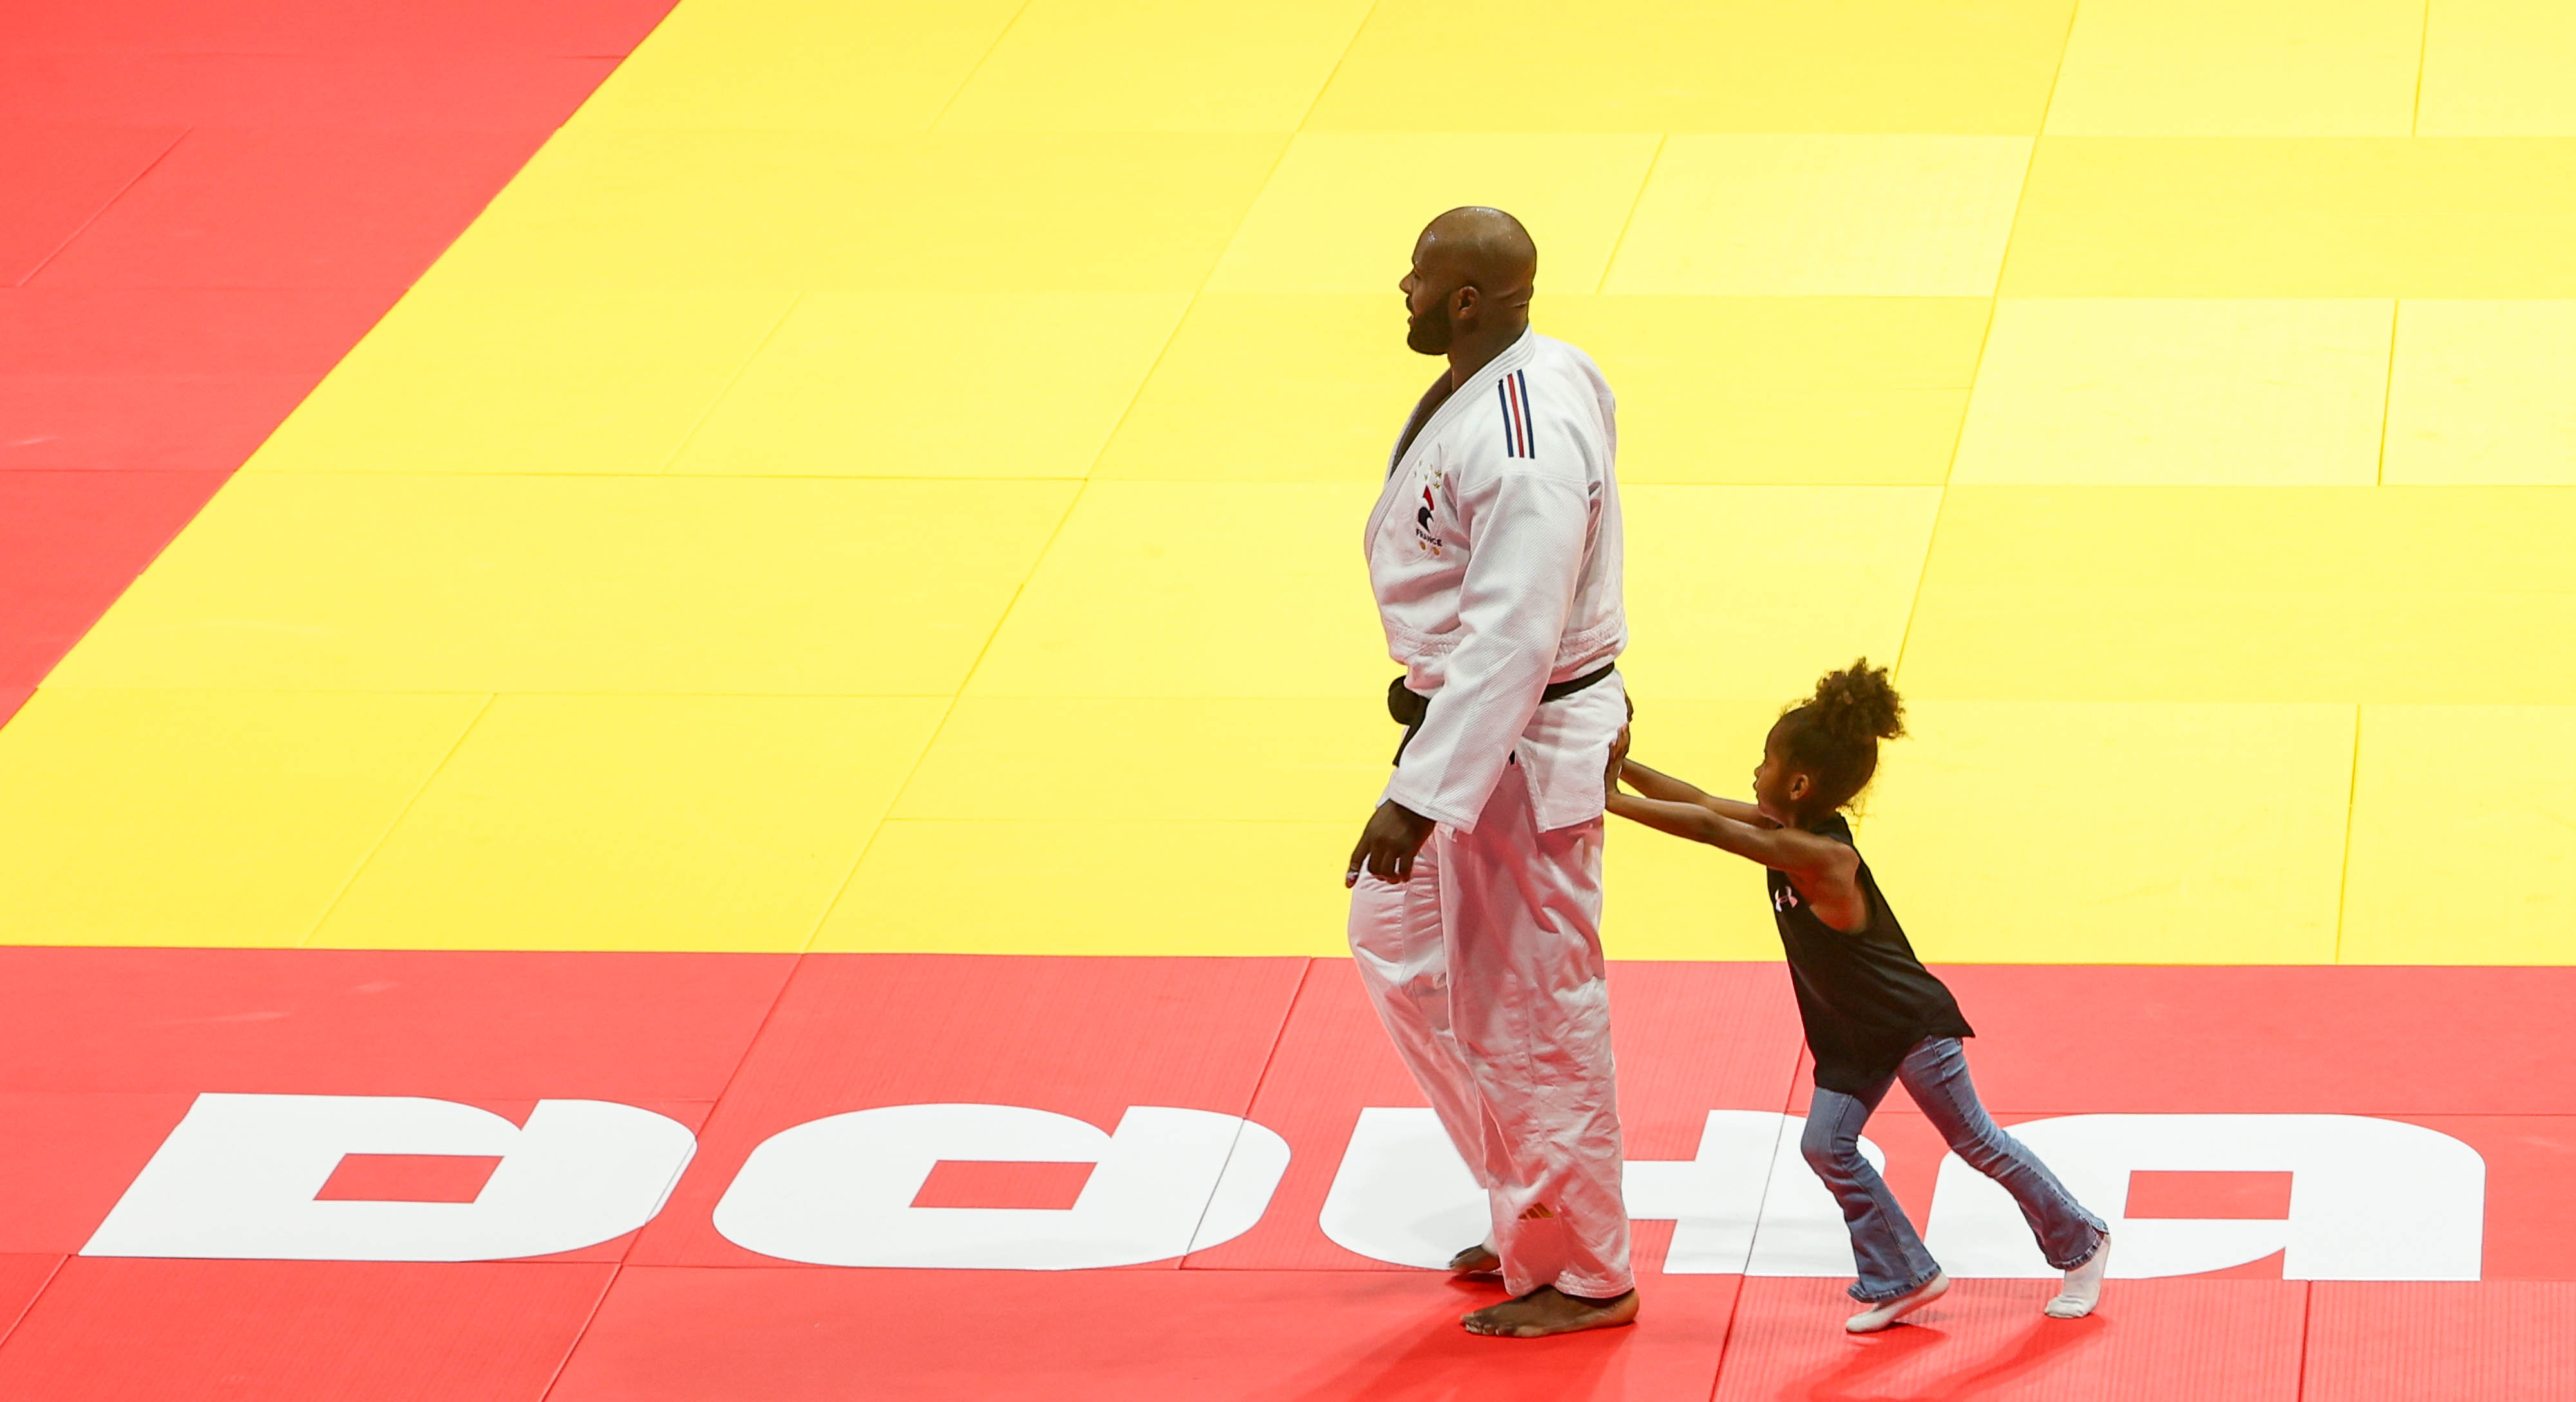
[1494, 552]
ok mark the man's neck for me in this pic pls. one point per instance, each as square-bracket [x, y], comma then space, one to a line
[1468, 357]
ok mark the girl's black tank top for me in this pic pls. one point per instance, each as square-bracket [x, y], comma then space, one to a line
[1865, 999]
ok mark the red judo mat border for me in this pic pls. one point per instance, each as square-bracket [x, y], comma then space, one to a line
[211, 201]
[105, 1054]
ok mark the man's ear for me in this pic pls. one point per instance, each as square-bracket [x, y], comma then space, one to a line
[1465, 302]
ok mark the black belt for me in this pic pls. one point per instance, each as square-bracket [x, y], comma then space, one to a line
[1411, 708]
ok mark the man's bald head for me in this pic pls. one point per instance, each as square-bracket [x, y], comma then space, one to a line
[1485, 248]
[1472, 275]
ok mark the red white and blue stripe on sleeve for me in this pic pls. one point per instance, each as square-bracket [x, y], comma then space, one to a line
[1517, 439]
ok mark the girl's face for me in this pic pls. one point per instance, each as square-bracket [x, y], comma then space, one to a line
[1778, 789]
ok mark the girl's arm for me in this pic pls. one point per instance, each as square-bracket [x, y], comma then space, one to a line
[1655, 784]
[1824, 871]
[1800, 854]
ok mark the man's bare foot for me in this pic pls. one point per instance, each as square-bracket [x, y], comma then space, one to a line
[1548, 1310]
[1476, 1260]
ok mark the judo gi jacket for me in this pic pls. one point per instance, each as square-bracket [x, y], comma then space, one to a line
[1495, 555]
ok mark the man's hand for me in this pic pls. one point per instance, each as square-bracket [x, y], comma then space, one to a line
[1394, 833]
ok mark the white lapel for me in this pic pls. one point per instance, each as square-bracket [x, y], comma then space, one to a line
[1518, 354]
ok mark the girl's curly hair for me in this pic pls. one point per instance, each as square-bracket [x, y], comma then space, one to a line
[1833, 735]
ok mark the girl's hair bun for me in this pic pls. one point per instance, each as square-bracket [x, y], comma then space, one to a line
[1858, 705]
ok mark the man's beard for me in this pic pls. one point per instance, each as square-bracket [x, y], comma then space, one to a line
[1427, 335]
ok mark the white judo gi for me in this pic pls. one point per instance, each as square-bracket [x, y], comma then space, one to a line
[1494, 552]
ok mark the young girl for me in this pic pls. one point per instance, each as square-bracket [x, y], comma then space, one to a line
[1874, 1015]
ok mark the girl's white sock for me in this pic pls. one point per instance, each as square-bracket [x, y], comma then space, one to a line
[2083, 1285]
[1885, 1313]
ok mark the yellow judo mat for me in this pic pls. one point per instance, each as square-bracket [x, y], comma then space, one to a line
[890, 478]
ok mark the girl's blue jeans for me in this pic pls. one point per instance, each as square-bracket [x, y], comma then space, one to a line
[1885, 1247]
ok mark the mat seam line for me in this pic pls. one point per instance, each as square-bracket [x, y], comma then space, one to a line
[732, 381]
[1603, 285]
[796, 965]
[1161, 354]
[105, 205]
[2351, 810]
[768, 1015]
[1082, 487]
[33, 1300]
[1940, 508]
[46, 673]
[2307, 1335]
[1269, 1059]
[1770, 1180]
[1976, 372]
[2423, 53]
[1001, 620]
[490, 699]
[616, 1269]
[946, 714]
[1317, 100]
[2388, 389]
[987, 57]
[1726, 1340]
[472, 219]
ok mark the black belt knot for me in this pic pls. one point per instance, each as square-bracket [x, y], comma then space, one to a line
[1411, 708]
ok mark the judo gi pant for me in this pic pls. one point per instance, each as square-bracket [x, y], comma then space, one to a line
[1486, 969]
